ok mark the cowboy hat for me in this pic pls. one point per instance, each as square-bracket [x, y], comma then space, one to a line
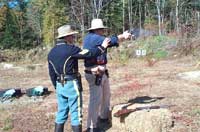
[96, 24]
[65, 30]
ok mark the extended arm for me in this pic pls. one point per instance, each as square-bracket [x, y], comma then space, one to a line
[116, 39]
[93, 52]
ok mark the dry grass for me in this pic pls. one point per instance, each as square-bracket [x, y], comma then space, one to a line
[133, 79]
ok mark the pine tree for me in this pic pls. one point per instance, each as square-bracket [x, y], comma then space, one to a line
[53, 17]
[10, 36]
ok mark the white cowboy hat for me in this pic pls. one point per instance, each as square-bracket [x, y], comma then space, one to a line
[65, 30]
[96, 24]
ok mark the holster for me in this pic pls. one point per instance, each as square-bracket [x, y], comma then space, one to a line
[79, 82]
[98, 79]
[62, 79]
[107, 73]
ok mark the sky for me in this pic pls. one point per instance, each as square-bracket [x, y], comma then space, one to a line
[14, 3]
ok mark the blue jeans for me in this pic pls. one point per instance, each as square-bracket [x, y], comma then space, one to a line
[69, 99]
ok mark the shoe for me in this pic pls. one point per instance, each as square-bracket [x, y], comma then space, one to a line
[104, 124]
[59, 127]
[77, 128]
[104, 121]
[93, 130]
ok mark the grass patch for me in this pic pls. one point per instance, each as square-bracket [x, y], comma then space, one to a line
[195, 112]
[160, 54]
[8, 125]
[156, 46]
[6, 122]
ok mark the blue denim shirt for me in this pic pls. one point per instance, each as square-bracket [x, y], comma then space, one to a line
[58, 59]
[93, 40]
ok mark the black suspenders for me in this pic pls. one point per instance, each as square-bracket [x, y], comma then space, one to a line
[61, 77]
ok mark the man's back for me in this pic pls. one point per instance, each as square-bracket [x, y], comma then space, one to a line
[92, 40]
[60, 53]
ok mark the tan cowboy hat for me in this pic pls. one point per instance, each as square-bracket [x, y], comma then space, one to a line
[96, 24]
[65, 30]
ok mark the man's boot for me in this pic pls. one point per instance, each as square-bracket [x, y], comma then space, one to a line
[93, 130]
[77, 128]
[59, 127]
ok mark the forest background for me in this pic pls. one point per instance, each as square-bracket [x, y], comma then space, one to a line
[166, 44]
[25, 24]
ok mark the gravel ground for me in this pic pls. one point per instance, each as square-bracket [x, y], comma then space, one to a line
[128, 81]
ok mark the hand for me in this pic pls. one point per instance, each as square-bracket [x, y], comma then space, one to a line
[126, 35]
[106, 42]
[94, 70]
[99, 70]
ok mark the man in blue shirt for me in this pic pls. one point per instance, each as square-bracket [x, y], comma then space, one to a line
[97, 75]
[63, 71]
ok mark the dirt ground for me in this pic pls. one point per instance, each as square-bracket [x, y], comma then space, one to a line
[134, 79]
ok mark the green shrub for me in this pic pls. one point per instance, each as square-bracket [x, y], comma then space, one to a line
[156, 46]
[195, 112]
[160, 54]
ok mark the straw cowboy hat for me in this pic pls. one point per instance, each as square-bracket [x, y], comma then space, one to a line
[96, 24]
[65, 30]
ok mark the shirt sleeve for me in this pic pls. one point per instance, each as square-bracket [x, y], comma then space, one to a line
[88, 53]
[114, 41]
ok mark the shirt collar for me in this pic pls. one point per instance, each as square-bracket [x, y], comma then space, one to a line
[60, 42]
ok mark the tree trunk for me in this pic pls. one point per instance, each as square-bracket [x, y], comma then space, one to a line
[159, 17]
[140, 14]
[172, 20]
[123, 15]
[78, 11]
[21, 30]
[146, 13]
[130, 14]
[163, 17]
[97, 5]
[198, 23]
[82, 17]
[177, 16]
[53, 31]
